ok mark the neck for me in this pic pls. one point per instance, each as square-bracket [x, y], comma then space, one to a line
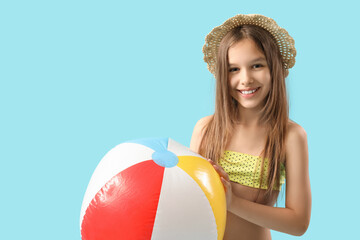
[249, 117]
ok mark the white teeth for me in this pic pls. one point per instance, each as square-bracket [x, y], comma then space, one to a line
[249, 92]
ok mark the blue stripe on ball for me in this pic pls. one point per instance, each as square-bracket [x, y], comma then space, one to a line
[165, 159]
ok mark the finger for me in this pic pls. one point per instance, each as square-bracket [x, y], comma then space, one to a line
[225, 174]
[211, 161]
[226, 184]
[214, 164]
[219, 169]
[222, 172]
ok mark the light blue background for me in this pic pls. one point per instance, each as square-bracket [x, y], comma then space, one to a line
[79, 77]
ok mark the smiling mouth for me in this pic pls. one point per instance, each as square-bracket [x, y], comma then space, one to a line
[248, 92]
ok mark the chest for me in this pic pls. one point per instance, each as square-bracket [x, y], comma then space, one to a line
[248, 140]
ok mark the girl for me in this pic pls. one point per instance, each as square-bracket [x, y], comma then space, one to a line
[250, 140]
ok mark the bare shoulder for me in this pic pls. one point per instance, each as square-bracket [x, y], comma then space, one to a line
[295, 133]
[203, 121]
[295, 142]
[198, 133]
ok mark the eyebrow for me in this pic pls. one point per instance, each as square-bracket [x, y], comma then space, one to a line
[252, 61]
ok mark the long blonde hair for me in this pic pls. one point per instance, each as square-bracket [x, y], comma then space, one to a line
[274, 114]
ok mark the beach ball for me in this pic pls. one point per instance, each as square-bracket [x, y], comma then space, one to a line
[153, 189]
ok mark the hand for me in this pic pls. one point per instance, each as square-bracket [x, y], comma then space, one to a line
[225, 181]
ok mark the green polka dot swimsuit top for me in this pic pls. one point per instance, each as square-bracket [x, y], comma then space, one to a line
[245, 169]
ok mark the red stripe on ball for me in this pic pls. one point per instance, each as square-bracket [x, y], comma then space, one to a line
[125, 208]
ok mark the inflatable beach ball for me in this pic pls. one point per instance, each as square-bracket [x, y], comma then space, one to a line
[153, 189]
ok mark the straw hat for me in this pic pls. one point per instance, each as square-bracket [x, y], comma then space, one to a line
[285, 42]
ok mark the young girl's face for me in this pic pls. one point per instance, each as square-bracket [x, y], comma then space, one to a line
[249, 74]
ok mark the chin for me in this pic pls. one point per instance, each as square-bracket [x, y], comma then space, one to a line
[249, 106]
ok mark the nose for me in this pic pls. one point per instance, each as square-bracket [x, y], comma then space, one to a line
[245, 78]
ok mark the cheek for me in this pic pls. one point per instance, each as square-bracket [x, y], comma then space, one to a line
[231, 82]
[267, 81]
[232, 88]
[231, 85]
[268, 88]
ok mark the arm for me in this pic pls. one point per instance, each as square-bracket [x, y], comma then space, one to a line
[198, 133]
[295, 217]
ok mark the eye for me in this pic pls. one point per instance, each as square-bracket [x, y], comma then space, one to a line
[233, 69]
[257, 65]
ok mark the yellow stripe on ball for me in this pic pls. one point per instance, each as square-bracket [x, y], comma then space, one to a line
[209, 181]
